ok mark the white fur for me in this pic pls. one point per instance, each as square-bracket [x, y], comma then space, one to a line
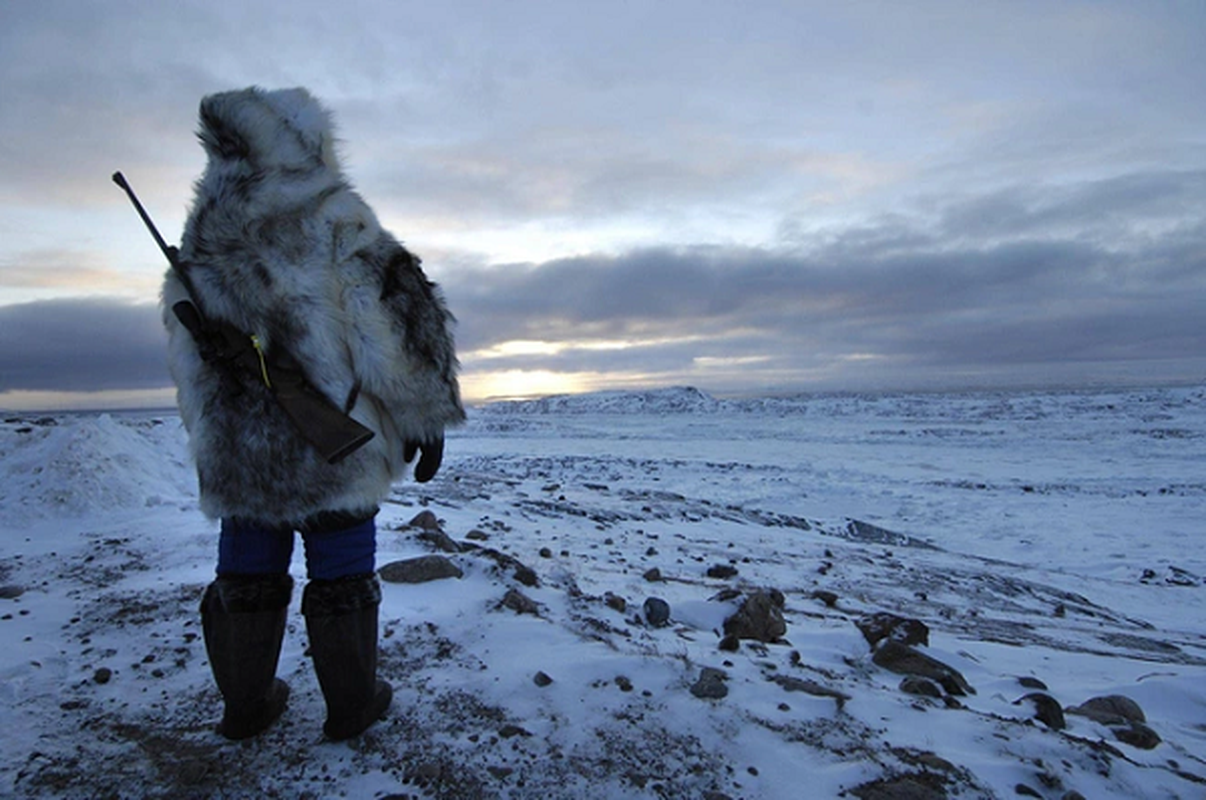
[279, 245]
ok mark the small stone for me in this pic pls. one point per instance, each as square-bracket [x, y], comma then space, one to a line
[657, 611]
[653, 575]
[1137, 735]
[11, 591]
[1046, 710]
[509, 731]
[541, 679]
[420, 570]
[102, 675]
[827, 597]
[440, 541]
[520, 603]
[710, 685]
[615, 602]
[526, 575]
[477, 536]
[546, 552]
[624, 682]
[914, 684]
[730, 644]
[1032, 683]
[651, 552]
[427, 520]
[722, 571]
[1023, 790]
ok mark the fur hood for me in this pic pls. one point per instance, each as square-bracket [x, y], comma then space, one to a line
[279, 245]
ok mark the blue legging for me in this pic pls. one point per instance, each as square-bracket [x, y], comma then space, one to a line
[250, 548]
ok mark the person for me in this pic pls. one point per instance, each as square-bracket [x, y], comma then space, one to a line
[279, 247]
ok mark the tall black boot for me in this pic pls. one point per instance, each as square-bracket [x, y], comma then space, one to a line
[243, 618]
[341, 619]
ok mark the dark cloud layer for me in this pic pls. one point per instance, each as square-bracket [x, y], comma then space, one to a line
[1017, 289]
[82, 345]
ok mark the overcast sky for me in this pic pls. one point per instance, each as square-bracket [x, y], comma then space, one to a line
[745, 197]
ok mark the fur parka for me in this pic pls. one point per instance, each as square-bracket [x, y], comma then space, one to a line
[280, 246]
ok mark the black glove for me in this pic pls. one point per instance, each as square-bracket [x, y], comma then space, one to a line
[430, 452]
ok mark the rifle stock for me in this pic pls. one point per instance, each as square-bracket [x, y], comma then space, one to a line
[333, 433]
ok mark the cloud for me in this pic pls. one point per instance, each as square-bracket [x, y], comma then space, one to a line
[1005, 282]
[82, 345]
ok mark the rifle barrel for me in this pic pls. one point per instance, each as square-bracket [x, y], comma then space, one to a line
[168, 252]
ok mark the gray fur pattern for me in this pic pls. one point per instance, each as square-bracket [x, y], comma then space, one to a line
[278, 244]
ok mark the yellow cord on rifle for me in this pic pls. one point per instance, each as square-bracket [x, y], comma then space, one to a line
[259, 349]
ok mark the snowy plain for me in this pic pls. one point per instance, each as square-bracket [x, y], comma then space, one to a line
[1051, 542]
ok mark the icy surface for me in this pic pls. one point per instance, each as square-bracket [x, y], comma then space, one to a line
[1052, 536]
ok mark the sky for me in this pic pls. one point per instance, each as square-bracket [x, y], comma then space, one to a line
[750, 198]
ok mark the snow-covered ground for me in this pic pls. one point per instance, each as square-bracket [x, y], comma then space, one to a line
[1051, 543]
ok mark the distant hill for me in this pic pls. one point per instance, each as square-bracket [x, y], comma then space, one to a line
[673, 400]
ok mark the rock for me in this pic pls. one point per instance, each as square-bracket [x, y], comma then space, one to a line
[508, 731]
[541, 679]
[1137, 735]
[1110, 709]
[477, 536]
[883, 625]
[11, 591]
[1022, 790]
[427, 520]
[526, 575]
[420, 570]
[102, 675]
[1047, 709]
[710, 685]
[1172, 576]
[519, 602]
[794, 684]
[828, 598]
[730, 644]
[1032, 683]
[624, 682]
[760, 617]
[722, 571]
[440, 541]
[546, 552]
[923, 786]
[904, 660]
[615, 602]
[915, 684]
[653, 575]
[657, 611]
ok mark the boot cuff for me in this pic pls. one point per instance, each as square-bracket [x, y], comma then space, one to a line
[249, 594]
[342, 596]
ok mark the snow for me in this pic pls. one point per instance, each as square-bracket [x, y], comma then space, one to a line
[1053, 535]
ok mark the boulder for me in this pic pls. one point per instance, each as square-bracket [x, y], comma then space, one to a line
[904, 660]
[420, 570]
[1047, 709]
[1110, 709]
[884, 625]
[657, 611]
[710, 685]
[760, 617]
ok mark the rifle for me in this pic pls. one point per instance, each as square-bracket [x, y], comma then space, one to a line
[319, 421]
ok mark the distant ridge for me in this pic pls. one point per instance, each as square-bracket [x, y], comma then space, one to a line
[672, 400]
